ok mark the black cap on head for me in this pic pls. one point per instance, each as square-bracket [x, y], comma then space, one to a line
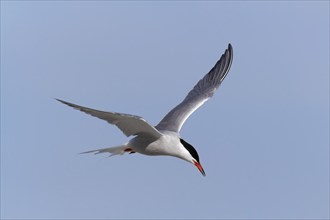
[191, 149]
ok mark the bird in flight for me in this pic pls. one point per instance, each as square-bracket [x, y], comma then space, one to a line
[164, 138]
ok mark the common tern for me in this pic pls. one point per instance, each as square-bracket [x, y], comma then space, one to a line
[164, 138]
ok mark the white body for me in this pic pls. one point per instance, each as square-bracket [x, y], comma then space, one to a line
[168, 144]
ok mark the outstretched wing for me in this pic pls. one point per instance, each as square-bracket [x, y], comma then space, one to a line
[128, 124]
[203, 90]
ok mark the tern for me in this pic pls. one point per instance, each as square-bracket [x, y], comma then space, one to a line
[164, 138]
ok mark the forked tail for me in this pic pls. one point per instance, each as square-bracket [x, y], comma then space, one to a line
[119, 150]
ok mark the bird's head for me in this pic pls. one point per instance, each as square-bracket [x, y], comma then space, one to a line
[193, 156]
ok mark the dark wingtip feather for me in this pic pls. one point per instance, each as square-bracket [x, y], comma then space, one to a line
[230, 48]
[64, 102]
[228, 56]
[68, 104]
[221, 68]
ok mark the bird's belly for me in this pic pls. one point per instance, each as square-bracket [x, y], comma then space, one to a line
[165, 145]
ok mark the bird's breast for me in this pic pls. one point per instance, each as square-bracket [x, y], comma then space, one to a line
[165, 145]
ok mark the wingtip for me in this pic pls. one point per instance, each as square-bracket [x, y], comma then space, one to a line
[64, 102]
[230, 47]
[87, 152]
[59, 100]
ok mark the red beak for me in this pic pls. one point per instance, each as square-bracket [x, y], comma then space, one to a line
[199, 167]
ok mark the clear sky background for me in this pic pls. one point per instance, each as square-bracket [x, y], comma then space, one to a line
[263, 139]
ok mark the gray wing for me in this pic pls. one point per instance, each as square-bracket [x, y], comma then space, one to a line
[128, 124]
[203, 90]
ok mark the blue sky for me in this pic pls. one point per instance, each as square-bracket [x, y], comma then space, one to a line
[263, 139]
